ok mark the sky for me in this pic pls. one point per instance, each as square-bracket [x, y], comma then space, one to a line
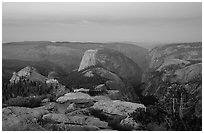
[102, 22]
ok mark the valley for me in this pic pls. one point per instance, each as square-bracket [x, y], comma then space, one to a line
[76, 86]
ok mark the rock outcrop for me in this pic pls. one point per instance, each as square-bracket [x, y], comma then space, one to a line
[129, 124]
[21, 118]
[74, 97]
[114, 82]
[117, 107]
[75, 111]
[75, 120]
[112, 61]
[27, 73]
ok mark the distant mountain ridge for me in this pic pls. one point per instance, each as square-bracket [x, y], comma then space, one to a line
[66, 55]
[30, 49]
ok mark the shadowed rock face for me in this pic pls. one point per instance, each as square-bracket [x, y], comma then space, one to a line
[113, 61]
[176, 63]
[114, 82]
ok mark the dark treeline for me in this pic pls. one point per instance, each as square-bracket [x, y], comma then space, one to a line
[25, 88]
[174, 111]
[78, 80]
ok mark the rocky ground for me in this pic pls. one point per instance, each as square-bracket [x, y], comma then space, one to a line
[73, 111]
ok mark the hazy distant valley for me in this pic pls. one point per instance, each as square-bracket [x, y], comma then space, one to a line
[61, 56]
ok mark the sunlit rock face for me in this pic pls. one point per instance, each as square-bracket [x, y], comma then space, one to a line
[113, 61]
[117, 107]
[89, 59]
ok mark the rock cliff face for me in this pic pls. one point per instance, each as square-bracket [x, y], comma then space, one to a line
[113, 61]
[175, 68]
[89, 59]
[183, 51]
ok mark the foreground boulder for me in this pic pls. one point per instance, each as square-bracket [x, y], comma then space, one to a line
[117, 107]
[117, 113]
[73, 101]
[74, 97]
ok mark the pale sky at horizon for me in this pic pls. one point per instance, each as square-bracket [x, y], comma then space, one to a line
[102, 22]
